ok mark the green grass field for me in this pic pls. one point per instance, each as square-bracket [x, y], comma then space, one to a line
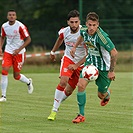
[24, 113]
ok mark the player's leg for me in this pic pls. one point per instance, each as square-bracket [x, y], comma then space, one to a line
[62, 92]
[81, 98]
[106, 98]
[17, 66]
[65, 74]
[66, 87]
[67, 92]
[6, 64]
[59, 92]
[103, 83]
[4, 83]
[24, 79]
[73, 80]
[58, 97]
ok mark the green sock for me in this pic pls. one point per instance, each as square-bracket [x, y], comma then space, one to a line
[81, 98]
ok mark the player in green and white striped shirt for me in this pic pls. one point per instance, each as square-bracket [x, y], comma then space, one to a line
[101, 53]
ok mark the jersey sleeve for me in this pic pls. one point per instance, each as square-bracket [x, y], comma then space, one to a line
[105, 41]
[61, 33]
[109, 46]
[23, 32]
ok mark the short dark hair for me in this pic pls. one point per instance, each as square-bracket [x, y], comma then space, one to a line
[73, 13]
[92, 16]
[11, 10]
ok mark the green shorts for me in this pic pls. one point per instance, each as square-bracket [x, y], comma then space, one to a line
[103, 82]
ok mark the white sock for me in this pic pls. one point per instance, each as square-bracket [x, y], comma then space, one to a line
[57, 99]
[4, 84]
[24, 79]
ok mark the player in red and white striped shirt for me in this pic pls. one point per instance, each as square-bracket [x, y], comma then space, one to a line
[17, 38]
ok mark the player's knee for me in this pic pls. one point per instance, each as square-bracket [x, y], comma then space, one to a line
[4, 72]
[17, 77]
[63, 84]
[81, 86]
[68, 92]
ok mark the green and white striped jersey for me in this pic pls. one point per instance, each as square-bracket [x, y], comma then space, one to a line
[99, 46]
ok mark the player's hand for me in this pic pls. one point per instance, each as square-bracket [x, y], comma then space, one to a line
[111, 75]
[52, 57]
[72, 67]
[72, 52]
[16, 52]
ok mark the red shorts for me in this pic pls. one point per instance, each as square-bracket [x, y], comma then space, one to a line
[73, 75]
[15, 61]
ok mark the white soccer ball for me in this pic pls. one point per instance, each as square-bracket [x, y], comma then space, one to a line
[90, 73]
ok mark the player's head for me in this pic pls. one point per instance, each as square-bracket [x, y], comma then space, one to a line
[92, 22]
[73, 20]
[11, 16]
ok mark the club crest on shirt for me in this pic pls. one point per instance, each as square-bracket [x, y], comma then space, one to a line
[15, 31]
[65, 69]
[89, 45]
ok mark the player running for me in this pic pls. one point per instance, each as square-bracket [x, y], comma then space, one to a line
[101, 53]
[17, 38]
[69, 74]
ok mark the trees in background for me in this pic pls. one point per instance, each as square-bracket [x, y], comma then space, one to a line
[45, 17]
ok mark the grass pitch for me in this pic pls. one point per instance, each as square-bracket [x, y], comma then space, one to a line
[24, 113]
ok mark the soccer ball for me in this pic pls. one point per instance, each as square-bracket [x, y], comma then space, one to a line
[90, 73]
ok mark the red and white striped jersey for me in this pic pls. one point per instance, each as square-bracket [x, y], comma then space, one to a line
[70, 40]
[15, 35]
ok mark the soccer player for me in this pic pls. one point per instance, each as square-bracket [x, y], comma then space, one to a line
[17, 38]
[69, 74]
[101, 53]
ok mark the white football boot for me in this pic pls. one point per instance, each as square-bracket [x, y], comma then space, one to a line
[30, 86]
[3, 99]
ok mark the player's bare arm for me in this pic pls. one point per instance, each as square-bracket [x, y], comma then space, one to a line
[79, 41]
[2, 39]
[75, 66]
[111, 73]
[58, 43]
[26, 43]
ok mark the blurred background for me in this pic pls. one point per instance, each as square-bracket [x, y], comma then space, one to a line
[45, 17]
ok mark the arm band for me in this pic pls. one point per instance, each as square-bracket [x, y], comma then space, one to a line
[52, 53]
